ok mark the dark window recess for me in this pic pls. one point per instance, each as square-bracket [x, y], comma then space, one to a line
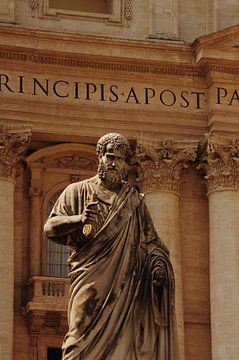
[57, 254]
[54, 354]
[93, 6]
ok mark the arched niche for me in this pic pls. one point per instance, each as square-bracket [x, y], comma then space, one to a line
[51, 170]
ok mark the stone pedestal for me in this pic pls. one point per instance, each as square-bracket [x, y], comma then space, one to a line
[159, 170]
[13, 143]
[220, 161]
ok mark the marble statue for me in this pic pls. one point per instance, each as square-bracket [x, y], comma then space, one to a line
[122, 284]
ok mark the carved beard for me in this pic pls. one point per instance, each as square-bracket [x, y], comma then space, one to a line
[112, 175]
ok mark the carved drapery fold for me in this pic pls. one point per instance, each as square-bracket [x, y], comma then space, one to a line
[159, 166]
[220, 161]
[14, 141]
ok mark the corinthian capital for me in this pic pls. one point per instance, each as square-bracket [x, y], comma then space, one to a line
[159, 166]
[14, 140]
[220, 161]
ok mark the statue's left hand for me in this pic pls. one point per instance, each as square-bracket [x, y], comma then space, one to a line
[159, 275]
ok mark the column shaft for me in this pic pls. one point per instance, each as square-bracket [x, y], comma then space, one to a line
[159, 169]
[220, 160]
[224, 273]
[6, 267]
[164, 209]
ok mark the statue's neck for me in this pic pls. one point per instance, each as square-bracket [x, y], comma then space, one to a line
[113, 187]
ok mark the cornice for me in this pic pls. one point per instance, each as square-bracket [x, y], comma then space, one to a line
[99, 63]
[225, 37]
[164, 58]
[150, 44]
[208, 65]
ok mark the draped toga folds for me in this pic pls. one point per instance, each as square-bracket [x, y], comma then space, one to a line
[115, 310]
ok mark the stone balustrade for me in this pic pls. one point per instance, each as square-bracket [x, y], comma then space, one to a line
[48, 290]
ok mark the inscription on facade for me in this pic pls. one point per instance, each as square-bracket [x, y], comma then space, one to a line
[79, 91]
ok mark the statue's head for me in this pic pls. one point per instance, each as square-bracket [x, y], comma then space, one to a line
[114, 141]
[113, 149]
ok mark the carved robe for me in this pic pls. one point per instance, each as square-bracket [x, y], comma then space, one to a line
[115, 310]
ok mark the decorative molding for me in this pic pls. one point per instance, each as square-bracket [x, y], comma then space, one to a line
[210, 68]
[159, 167]
[220, 162]
[56, 13]
[36, 323]
[83, 61]
[61, 324]
[14, 141]
[34, 347]
[76, 161]
[35, 191]
[108, 64]
[128, 10]
[33, 4]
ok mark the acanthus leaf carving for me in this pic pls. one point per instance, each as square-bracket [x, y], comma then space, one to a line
[14, 141]
[159, 167]
[220, 162]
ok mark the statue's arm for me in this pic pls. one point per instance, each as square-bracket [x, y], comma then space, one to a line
[62, 224]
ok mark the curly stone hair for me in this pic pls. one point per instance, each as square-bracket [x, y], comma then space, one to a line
[117, 141]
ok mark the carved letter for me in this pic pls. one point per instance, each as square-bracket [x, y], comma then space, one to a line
[45, 90]
[56, 91]
[162, 99]
[149, 94]
[221, 93]
[116, 97]
[132, 93]
[235, 96]
[186, 104]
[90, 89]
[198, 98]
[4, 81]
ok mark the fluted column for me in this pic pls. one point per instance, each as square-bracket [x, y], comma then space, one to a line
[220, 161]
[14, 141]
[159, 170]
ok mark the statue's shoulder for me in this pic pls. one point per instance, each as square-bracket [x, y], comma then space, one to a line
[80, 185]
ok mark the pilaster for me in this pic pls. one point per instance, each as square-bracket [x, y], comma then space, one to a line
[14, 141]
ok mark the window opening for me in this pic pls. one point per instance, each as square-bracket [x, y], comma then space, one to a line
[93, 6]
[57, 254]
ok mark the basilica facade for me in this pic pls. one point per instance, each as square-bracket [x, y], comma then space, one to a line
[165, 75]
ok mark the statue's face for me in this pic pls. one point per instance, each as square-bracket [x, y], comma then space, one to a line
[113, 159]
[112, 164]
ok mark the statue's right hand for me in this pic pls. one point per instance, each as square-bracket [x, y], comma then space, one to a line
[90, 212]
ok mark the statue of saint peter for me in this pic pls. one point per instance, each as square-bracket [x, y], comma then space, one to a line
[122, 283]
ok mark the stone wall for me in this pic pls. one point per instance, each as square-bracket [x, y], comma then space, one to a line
[174, 20]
